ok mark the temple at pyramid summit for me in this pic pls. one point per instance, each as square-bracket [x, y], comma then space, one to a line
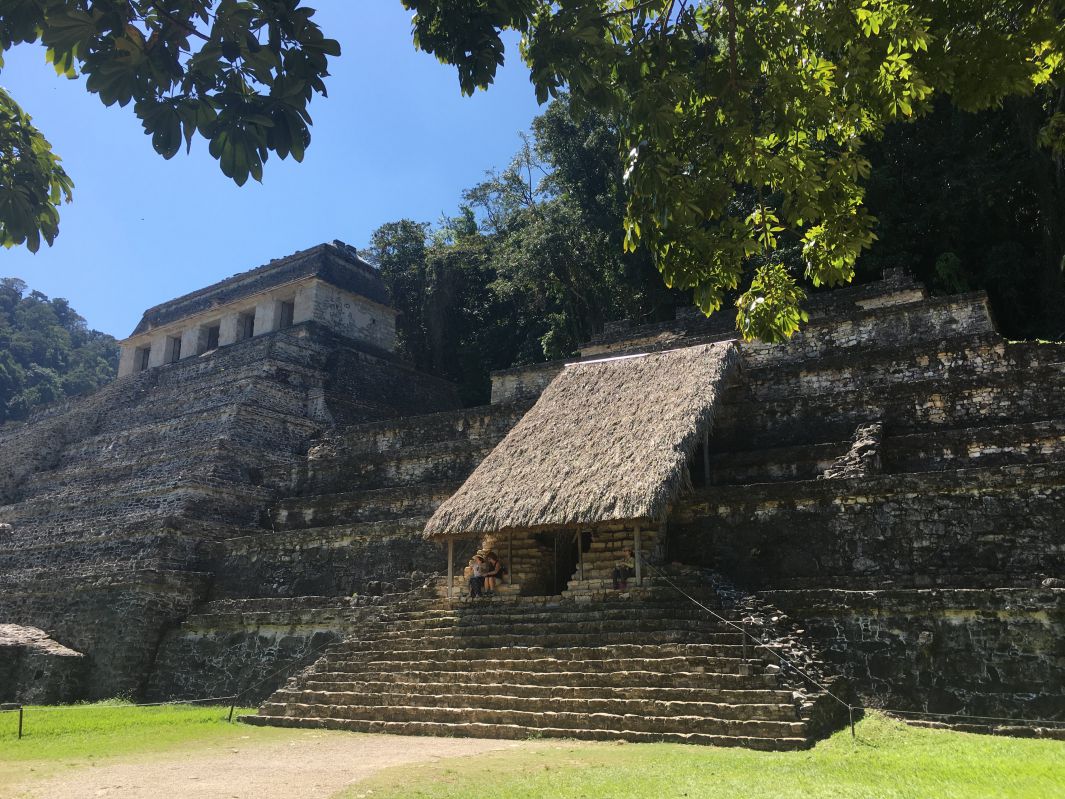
[268, 502]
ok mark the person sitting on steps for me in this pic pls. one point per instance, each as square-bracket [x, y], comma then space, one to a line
[623, 570]
[494, 574]
[477, 571]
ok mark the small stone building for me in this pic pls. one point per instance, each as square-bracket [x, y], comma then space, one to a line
[328, 284]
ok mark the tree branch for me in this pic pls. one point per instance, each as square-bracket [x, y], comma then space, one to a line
[731, 6]
[180, 23]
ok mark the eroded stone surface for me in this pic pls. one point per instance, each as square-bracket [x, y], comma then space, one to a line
[34, 669]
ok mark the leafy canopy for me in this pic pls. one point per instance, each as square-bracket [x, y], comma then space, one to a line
[744, 120]
[239, 73]
[46, 351]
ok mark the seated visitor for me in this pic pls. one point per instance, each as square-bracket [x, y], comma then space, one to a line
[623, 570]
[494, 574]
[477, 570]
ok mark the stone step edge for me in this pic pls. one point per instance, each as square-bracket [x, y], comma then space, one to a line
[511, 732]
[786, 696]
[284, 697]
[577, 719]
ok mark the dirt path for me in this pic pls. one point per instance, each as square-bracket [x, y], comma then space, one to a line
[307, 765]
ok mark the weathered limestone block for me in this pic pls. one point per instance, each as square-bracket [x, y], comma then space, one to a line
[34, 669]
[863, 458]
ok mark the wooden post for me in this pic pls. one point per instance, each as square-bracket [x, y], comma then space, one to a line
[636, 541]
[580, 552]
[450, 567]
[510, 555]
[706, 457]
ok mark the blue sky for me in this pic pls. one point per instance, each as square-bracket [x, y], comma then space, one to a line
[395, 138]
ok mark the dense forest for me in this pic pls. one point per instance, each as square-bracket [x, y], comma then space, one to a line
[46, 351]
[532, 262]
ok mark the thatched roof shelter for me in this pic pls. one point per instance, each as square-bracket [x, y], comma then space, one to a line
[608, 440]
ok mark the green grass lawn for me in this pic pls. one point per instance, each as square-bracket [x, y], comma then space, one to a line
[105, 729]
[888, 760]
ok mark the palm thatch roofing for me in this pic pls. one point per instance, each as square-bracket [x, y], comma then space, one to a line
[608, 440]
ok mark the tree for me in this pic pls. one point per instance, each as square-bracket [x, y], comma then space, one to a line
[745, 121]
[971, 201]
[239, 73]
[532, 264]
[46, 351]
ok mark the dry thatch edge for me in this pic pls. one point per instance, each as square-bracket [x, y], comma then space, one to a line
[607, 441]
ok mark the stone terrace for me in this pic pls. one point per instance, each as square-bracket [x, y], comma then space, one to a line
[348, 533]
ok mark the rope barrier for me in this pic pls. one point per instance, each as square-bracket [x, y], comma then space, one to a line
[850, 708]
[123, 705]
[743, 631]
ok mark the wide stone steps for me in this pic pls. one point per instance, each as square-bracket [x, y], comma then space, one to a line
[401, 642]
[546, 718]
[620, 678]
[725, 697]
[624, 652]
[659, 669]
[519, 732]
[505, 700]
[606, 663]
[479, 616]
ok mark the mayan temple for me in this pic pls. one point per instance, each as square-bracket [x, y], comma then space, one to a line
[269, 503]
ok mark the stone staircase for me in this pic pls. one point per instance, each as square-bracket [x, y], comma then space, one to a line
[660, 669]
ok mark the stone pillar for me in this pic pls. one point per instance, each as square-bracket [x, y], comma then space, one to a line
[267, 317]
[227, 329]
[157, 357]
[303, 305]
[127, 359]
[193, 341]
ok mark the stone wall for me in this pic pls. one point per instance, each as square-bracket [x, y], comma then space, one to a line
[988, 527]
[34, 669]
[979, 652]
[354, 316]
[247, 647]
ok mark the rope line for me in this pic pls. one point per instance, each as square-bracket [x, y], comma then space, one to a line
[741, 629]
[850, 707]
[90, 706]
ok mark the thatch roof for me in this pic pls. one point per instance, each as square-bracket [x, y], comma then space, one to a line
[608, 440]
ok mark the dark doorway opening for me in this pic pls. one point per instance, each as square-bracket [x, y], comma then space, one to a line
[560, 551]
